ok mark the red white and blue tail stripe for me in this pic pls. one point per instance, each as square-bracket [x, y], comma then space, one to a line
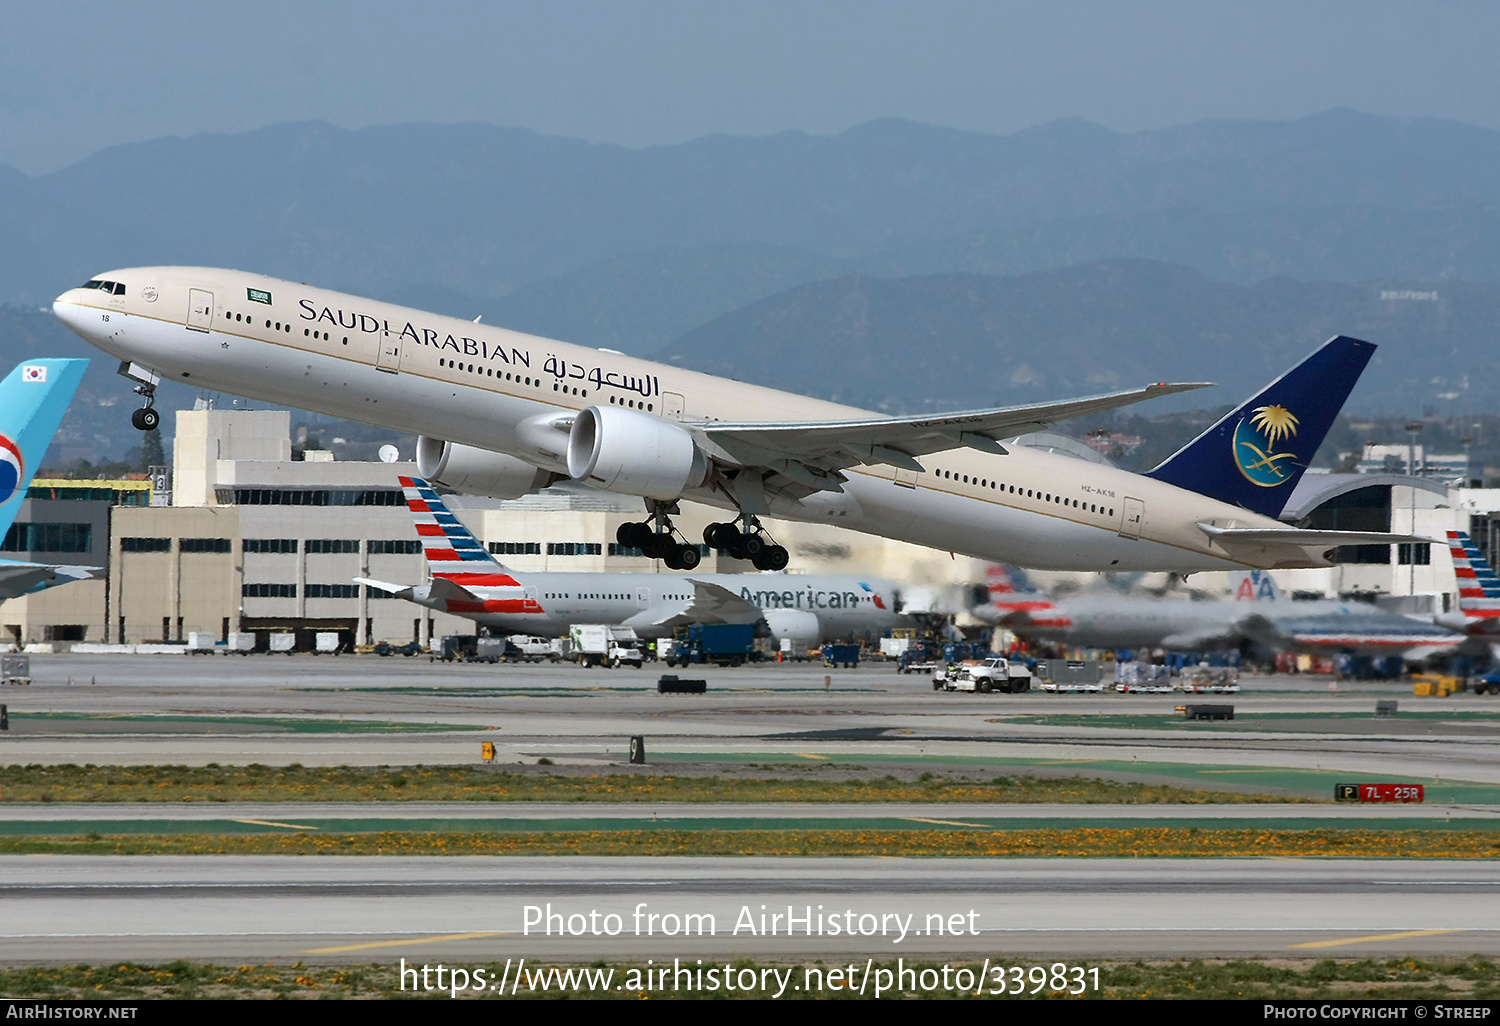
[1014, 600]
[1478, 587]
[453, 553]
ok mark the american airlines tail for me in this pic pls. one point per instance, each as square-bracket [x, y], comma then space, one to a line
[1478, 587]
[1256, 454]
[457, 561]
[1013, 599]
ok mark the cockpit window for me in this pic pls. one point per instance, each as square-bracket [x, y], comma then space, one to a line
[119, 288]
[94, 284]
[114, 288]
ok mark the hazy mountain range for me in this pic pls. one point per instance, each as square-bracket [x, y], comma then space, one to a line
[896, 265]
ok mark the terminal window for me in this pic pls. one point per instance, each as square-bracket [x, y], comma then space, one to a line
[269, 591]
[395, 547]
[203, 545]
[1421, 550]
[145, 544]
[24, 537]
[330, 545]
[283, 545]
[516, 548]
[344, 591]
[575, 549]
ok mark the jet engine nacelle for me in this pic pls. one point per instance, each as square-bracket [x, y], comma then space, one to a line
[478, 471]
[798, 626]
[635, 453]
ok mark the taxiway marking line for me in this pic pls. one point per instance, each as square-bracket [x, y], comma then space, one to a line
[269, 822]
[1374, 937]
[399, 943]
[942, 822]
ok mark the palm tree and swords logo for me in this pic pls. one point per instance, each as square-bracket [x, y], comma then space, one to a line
[1255, 441]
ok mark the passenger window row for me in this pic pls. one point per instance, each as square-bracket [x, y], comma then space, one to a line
[487, 372]
[948, 475]
[248, 319]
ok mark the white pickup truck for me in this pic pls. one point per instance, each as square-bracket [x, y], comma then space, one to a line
[993, 674]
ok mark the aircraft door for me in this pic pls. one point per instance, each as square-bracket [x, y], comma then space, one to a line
[200, 309]
[671, 404]
[642, 598]
[388, 359]
[1134, 516]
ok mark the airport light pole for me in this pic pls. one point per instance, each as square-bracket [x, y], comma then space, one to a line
[1412, 430]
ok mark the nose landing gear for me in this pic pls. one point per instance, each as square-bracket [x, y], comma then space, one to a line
[146, 418]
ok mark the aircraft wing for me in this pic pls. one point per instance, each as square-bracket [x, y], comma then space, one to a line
[711, 603]
[1206, 636]
[811, 453]
[18, 578]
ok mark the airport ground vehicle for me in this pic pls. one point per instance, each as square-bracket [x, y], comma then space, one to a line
[996, 673]
[726, 644]
[846, 656]
[597, 644]
[1488, 684]
[528, 649]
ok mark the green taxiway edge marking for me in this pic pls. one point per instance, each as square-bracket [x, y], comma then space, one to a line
[299, 824]
[1319, 783]
[281, 724]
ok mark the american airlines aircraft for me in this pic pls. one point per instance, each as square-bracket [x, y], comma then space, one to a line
[467, 581]
[504, 414]
[1259, 613]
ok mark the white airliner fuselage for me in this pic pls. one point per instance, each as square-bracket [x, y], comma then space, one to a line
[507, 392]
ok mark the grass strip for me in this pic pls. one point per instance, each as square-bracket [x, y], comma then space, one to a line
[1472, 979]
[1097, 842]
[827, 783]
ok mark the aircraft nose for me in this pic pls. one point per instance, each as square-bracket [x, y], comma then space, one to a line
[66, 309]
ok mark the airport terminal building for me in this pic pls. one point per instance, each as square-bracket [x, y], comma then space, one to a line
[248, 539]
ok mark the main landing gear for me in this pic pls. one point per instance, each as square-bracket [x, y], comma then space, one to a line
[751, 543]
[657, 538]
[146, 418]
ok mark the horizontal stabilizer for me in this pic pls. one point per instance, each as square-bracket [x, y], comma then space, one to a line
[398, 590]
[1291, 537]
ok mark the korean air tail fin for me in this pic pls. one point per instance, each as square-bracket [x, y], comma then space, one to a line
[1478, 587]
[1255, 455]
[453, 553]
[33, 399]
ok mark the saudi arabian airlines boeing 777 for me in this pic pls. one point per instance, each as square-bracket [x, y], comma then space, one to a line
[504, 414]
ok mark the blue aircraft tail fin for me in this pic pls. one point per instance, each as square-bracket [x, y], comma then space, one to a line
[33, 399]
[1255, 456]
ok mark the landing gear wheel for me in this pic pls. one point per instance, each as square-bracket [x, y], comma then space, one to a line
[773, 557]
[719, 536]
[671, 557]
[145, 419]
[688, 557]
[753, 545]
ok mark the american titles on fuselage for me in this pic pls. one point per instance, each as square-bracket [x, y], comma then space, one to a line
[645, 385]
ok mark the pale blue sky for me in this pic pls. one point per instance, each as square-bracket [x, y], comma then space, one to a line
[77, 77]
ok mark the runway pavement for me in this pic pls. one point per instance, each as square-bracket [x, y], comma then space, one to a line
[474, 910]
[161, 709]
